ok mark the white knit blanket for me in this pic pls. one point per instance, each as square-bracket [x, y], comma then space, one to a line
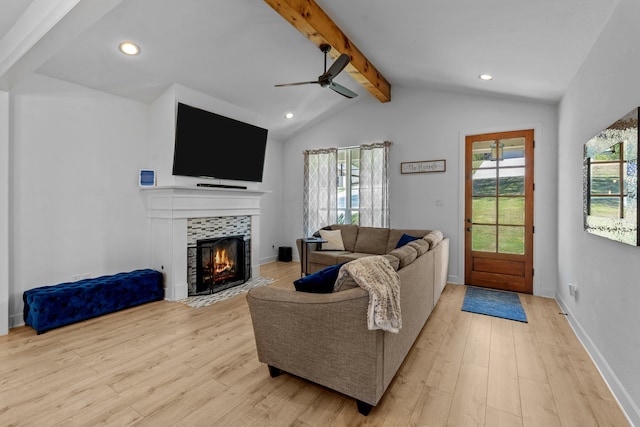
[376, 275]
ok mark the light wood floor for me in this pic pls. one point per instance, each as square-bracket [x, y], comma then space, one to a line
[165, 364]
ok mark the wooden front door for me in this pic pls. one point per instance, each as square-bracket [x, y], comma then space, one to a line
[499, 210]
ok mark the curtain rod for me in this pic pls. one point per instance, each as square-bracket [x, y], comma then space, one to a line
[372, 143]
[344, 148]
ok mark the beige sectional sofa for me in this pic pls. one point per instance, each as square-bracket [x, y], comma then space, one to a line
[358, 242]
[324, 338]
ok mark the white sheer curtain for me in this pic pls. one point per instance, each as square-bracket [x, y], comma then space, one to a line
[374, 184]
[320, 189]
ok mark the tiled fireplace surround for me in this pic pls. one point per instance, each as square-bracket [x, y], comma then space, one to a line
[213, 227]
[178, 215]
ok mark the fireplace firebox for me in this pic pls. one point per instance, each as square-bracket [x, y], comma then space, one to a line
[221, 263]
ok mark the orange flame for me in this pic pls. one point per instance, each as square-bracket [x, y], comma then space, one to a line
[221, 262]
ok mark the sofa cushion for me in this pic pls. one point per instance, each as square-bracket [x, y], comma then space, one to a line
[405, 254]
[325, 257]
[420, 245]
[333, 240]
[350, 256]
[406, 238]
[349, 235]
[396, 234]
[320, 282]
[393, 260]
[347, 282]
[372, 240]
[434, 237]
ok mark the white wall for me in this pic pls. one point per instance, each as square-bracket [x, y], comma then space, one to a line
[426, 125]
[605, 313]
[4, 212]
[271, 225]
[75, 204]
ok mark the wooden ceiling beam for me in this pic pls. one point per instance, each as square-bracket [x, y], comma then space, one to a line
[315, 24]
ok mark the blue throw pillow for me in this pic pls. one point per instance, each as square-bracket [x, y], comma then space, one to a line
[320, 282]
[405, 239]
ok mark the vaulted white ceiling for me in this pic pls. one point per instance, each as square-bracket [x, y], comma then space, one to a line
[236, 50]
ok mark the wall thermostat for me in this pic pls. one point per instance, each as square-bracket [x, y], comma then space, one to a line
[147, 178]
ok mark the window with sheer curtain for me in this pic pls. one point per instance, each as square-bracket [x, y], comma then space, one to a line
[346, 186]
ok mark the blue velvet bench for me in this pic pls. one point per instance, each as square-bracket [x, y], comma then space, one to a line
[49, 307]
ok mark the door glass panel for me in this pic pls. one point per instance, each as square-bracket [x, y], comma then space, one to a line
[512, 152]
[511, 210]
[511, 182]
[482, 155]
[484, 185]
[483, 238]
[511, 240]
[484, 210]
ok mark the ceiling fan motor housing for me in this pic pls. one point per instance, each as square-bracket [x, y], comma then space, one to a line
[326, 78]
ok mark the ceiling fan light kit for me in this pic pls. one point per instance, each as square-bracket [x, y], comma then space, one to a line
[326, 78]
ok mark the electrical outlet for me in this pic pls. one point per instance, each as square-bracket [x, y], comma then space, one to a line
[573, 289]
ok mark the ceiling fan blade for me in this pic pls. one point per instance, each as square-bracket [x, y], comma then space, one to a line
[296, 84]
[342, 90]
[337, 66]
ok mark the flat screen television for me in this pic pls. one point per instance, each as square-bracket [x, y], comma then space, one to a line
[209, 145]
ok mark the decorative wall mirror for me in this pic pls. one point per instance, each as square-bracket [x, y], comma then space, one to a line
[611, 181]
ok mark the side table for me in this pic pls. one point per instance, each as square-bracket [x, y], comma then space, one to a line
[304, 262]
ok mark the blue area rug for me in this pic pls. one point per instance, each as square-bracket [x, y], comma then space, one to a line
[494, 303]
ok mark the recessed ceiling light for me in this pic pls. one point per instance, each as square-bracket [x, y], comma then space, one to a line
[288, 116]
[129, 48]
[485, 77]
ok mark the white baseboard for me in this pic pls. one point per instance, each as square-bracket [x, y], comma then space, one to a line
[630, 409]
[267, 260]
[16, 320]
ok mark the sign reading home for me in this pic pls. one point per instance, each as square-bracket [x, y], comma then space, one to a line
[423, 166]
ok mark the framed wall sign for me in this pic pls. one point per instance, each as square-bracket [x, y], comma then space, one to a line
[423, 166]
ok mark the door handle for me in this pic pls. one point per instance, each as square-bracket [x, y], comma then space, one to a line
[468, 228]
[469, 220]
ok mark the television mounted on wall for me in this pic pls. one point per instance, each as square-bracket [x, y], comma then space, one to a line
[208, 145]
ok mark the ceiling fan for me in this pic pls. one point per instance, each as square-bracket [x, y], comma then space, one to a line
[326, 79]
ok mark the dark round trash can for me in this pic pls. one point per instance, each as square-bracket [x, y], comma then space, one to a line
[284, 253]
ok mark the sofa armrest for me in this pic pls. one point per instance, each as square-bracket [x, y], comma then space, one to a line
[299, 246]
[319, 337]
[441, 270]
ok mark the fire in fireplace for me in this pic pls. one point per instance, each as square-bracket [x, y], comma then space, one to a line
[221, 264]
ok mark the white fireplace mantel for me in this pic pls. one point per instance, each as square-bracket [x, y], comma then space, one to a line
[168, 209]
